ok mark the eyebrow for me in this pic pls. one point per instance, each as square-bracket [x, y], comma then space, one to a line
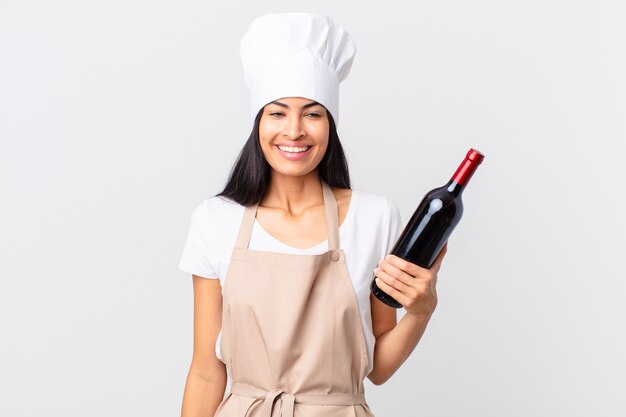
[311, 104]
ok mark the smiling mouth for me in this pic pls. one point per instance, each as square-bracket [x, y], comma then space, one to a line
[293, 149]
[294, 153]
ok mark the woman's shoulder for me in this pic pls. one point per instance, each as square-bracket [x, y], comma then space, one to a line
[378, 208]
[219, 203]
[372, 201]
[216, 211]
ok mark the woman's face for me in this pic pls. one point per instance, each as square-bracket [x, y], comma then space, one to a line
[293, 133]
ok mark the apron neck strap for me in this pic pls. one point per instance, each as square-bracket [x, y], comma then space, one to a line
[332, 221]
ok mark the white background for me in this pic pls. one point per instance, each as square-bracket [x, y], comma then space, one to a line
[117, 118]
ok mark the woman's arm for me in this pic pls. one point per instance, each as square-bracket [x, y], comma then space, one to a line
[415, 288]
[206, 380]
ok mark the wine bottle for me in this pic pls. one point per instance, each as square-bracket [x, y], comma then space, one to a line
[432, 223]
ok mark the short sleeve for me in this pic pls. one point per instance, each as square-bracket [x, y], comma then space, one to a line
[392, 227]
[196, 256]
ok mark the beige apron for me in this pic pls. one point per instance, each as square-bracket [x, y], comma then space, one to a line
[291, 331]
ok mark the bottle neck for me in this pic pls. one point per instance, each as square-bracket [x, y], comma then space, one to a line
[464, 172]
[454, 188]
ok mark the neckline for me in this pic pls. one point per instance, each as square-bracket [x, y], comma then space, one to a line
[318, 245]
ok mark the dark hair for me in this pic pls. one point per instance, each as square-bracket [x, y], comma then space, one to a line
[250, 175]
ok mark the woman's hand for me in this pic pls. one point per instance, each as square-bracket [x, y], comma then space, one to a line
[411, 285]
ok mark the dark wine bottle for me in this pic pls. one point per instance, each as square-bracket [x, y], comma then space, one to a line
[432, 223]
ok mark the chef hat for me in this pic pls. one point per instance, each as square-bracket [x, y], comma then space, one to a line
[295, 55]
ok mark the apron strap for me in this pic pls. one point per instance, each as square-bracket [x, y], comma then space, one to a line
[332, 217]
[332, 221]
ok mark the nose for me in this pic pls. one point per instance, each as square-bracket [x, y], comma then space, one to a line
[294, 127]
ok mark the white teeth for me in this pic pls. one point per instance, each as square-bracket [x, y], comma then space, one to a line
[292, 149]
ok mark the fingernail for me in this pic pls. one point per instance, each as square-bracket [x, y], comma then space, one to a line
[387, 257]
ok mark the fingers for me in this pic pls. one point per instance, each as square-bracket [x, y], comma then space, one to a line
[395, 272]
[397, 265]
[408, 283]
[414, 270]
[391, 291]
[393, 276]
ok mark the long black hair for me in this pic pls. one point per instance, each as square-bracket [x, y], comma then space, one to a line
[250, 176]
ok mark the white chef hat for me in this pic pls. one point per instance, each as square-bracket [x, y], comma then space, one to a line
[295, 55]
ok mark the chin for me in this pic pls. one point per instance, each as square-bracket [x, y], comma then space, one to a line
[291, 172]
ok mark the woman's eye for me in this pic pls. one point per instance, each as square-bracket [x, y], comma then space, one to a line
[278, 114]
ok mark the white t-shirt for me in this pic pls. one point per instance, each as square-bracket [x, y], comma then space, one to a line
[368, 232]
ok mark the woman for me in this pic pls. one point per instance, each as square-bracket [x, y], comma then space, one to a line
[288, 314]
